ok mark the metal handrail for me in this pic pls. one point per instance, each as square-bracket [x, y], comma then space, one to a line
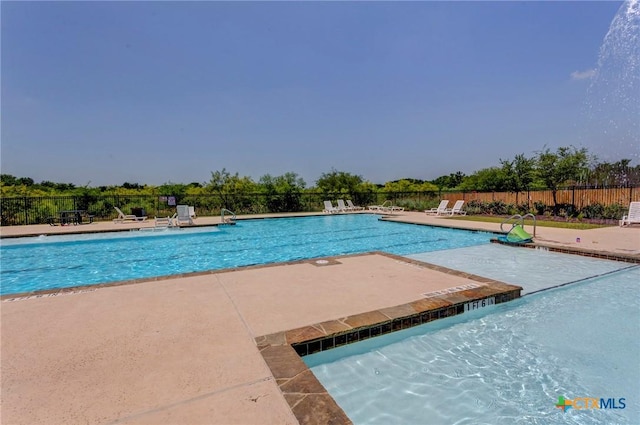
[520, 218]
[228, 220]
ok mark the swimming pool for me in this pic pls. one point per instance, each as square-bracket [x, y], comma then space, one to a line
[532, 269]
[506, 364]
[40, 263]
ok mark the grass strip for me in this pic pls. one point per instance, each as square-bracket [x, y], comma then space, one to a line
[541, 223]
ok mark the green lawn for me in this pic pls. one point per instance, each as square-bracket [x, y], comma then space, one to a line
[541, 223]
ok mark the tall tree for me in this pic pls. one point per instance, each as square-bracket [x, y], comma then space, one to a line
[562, 167]
[450, 181]
[486, 180]
[338, 182]
[617, 173]
[284, 193]
[518, 174]
[232, 189]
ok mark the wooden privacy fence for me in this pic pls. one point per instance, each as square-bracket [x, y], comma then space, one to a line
[578, 197]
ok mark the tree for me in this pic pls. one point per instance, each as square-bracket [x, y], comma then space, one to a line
[407, 185]
[619, 173]
[558, 168]
[486, 180]
[128, 185]
[338, 182]
[231, 189]
[284, 193]
[451, 181]
[8, 180]
[518, 174]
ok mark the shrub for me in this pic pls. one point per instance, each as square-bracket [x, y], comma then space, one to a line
[498, 208]
[614, 211]
[540, 208]
[475, 207]
[593, 211]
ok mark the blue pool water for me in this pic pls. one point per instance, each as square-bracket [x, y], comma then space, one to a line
[40, 263]
[532, 269]
[505, 364]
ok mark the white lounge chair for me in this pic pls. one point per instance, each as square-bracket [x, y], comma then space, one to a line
[385, 207]
[183, 215]
[342, 207]
[633, 216]
[329, 208]
[457, 209]
[442, 208]
[163, 222]
[192, 212]
[122, 217]
[353, 207]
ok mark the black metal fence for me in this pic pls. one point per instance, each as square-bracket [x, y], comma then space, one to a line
[36, 210]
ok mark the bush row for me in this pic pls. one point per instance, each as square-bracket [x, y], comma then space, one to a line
[568, 211]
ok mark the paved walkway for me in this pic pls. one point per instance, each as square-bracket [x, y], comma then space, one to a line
[183, 351]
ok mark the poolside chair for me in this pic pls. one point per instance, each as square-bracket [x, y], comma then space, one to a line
[163, 222]
[192, 211]
[183, 216]
[342, 207]
[173, 220]
[353, 207]
[385, 207]
[457, 209]
[122, 217]
[329, 208]
[441, 209]
[633, 216]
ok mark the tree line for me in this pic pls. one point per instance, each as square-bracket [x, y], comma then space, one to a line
[546, 170]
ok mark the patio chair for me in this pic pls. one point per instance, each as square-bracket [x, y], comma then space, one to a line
[342, 207]
[329, 208]
[353, 207]
[122, 217]
[441, 209]
[163, 222]
[633, 216]
[385, 207]
[457, 209]
[183, 216]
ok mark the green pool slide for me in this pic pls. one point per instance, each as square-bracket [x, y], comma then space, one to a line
[517, 234]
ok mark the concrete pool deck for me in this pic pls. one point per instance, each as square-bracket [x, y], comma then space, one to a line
[188, 350]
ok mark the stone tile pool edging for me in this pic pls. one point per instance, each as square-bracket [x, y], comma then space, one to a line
[308, 399]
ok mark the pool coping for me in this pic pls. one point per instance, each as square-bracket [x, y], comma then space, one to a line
[282, 351]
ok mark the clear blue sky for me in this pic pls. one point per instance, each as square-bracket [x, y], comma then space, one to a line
[155, 92]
